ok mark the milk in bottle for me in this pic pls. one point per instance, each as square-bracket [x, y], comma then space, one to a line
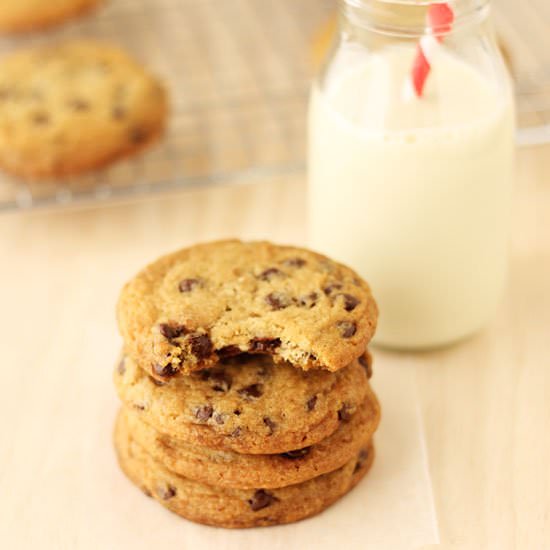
[415, 192]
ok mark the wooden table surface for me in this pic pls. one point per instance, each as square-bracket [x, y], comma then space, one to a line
[485, 402]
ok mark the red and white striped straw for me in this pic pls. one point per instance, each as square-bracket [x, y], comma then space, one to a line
[439, 22]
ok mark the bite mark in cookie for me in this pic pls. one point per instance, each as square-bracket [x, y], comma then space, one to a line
[253, 297]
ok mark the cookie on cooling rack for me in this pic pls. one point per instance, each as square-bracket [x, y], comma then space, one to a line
[29, 15]
[73, 107]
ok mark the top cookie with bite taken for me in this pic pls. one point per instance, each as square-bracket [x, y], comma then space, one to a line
[188, 309]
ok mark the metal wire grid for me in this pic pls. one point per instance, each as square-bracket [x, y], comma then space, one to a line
[238, 72]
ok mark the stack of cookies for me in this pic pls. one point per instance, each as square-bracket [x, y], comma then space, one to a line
[244, 382]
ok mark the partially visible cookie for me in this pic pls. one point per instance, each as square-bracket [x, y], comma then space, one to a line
[236, 508]
[190, 308]
[248, 404]
[29, 15]
[229, 469]
[74, 107]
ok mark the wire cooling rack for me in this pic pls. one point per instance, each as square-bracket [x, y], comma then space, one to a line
[238, 73]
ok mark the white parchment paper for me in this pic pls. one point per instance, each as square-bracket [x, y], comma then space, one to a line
[82, 501]
[391, 509]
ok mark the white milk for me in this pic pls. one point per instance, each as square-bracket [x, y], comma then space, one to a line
[415, 195]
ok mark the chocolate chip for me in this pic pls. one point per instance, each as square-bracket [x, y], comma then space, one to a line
[366, 363]
[172, 330]
[264, 345]
[347, 328]
[331, 287]
[294, 262]
[270, 424]
[237, 412]
[361, 458]
[118, 112]
[41, 119]
[157, 382]
[228, 351]
[121, 368]
[203, 412]
[219, 418]
[278, 300]
[261, 499]
[221, 381]
[270, 273]
[350, 302]
[346, 412]
[236, 432]
[311, 402]
[308, 300]
[138, 406]
[138, 135]
[201, 345]
[165, 370]
[166, 492]
[251, 392]
[79, 104]
[146, 492]
[297, 453]
[187, 285]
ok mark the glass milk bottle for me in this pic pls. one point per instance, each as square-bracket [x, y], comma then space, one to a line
[411, 160]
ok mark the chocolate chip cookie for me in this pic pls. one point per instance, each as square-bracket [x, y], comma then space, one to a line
[229, 469]
[191, 308]
[74, 107]
[247, 404]
[236, 508]
[28, 15]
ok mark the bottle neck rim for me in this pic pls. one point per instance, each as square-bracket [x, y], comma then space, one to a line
[386, 16]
